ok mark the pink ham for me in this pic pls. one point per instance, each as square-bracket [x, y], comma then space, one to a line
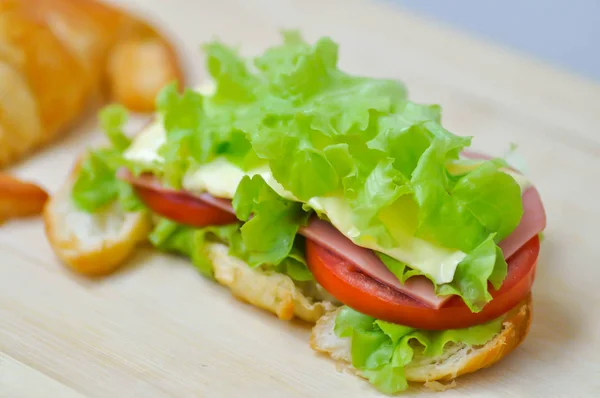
[532, 223]
[418, 287]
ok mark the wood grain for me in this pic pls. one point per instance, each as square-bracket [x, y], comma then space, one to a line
[157, 329]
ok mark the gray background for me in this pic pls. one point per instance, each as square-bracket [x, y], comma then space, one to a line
[564, 33]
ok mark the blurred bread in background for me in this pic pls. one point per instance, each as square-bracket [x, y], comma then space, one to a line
[55, 55]
[58, 55]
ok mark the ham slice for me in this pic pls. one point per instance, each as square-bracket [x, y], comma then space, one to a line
[418, 287]
[532, 223]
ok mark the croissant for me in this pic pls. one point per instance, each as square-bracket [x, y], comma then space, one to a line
[57, 55]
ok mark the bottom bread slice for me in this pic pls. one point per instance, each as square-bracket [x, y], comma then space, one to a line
[457, 359]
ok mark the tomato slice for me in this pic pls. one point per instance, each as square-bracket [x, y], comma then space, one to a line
[368, 296]
[183, 208]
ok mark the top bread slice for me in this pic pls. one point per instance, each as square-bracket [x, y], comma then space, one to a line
[457, 359]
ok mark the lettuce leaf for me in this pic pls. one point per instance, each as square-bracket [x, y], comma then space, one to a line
[488, 194]
[323, 131]
[96, 184]
[185, 141]
[381, 350]
[234, 82]
[483, 264]
[190, 242]
[268, 236]
[112, 120]
[400, 269]
[294, 265]
[461, 214]
[299, 175]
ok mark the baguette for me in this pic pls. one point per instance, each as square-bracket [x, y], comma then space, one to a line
[458, 359]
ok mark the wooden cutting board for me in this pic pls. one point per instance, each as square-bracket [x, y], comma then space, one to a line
[157, 329]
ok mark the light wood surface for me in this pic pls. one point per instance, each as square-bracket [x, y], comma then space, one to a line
[157, 329]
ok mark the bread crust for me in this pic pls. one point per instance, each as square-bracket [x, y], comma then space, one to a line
[514, 330]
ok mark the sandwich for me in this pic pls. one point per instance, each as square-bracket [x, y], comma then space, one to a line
[320, 195]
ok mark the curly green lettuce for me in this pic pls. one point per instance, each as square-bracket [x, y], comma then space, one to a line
[192, 243]
[324, 132]
[97, 184]
[271, 222]
[483, 264]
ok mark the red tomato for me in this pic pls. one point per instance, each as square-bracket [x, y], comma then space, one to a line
[364, 294]
[183, 208]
